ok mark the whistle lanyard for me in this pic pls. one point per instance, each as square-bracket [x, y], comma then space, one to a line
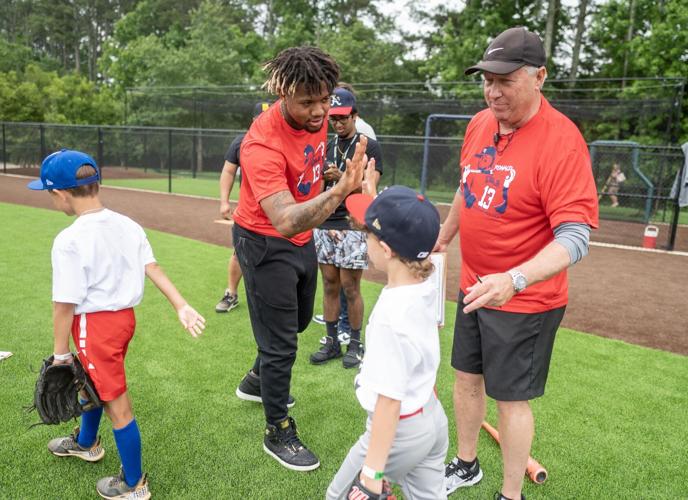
[341, 164]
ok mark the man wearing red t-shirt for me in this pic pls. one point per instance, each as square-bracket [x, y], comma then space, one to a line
[526, 204]
[280, 202]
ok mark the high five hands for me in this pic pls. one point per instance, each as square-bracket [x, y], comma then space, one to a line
[359, 171]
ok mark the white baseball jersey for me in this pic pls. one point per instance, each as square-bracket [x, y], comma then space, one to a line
[402, 348]
[99, 263]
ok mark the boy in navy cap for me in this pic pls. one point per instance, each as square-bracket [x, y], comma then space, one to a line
[99, 267]
[406, 433]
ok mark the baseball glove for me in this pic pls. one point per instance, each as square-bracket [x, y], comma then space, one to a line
[56, 398]
[359, 492]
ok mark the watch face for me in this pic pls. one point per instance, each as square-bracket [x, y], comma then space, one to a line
[518, 280]
[520, 283]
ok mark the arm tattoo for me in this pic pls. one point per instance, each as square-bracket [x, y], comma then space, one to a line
[314, 212]
[304, 216]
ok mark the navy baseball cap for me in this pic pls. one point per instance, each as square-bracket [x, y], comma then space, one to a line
[341, 102]
[259, 107]
[400, 217]
[58, 171]
[511, 50]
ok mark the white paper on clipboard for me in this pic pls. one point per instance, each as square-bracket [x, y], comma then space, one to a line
[439, 280]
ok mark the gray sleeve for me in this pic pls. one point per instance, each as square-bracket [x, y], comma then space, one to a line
[574, 237]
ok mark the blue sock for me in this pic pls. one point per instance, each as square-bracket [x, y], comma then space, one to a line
[128, 440]
[88, 431]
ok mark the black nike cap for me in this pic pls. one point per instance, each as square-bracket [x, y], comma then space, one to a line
[511, 50]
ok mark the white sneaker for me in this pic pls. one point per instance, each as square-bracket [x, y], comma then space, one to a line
[457, 476]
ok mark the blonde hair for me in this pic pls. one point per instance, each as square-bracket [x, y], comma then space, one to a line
[89, 190]
[421, 269]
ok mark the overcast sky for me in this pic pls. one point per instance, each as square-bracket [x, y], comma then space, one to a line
[400, 10]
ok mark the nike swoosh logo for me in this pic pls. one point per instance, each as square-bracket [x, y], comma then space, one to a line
[494, 50]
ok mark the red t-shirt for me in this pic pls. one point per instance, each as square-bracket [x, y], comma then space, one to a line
[512, 200]
[275, 157]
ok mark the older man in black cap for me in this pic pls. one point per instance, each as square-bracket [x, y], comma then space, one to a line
[526, 204]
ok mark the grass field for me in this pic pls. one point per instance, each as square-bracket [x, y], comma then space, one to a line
[612, 424]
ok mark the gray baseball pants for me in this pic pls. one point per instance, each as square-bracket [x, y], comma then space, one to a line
[415, 462]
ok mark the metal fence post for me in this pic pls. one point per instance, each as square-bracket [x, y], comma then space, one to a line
[194, 150]
[169, 161]
[677, 208]
[100, 152]
[41, 128]
[426, 143]
[4, 150]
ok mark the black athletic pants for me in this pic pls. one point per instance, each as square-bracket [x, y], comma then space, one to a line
[280, 280]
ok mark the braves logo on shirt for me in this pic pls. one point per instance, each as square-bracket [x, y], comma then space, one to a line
[313, 159]
[485, 186]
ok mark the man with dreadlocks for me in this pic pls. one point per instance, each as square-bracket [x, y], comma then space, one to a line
[280, 202]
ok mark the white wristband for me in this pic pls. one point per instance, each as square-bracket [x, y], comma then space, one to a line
[63, 357]
[372, 473]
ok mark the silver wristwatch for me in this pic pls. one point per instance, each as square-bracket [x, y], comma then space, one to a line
[518, 280]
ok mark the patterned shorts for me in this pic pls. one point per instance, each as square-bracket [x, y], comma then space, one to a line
[345, 249]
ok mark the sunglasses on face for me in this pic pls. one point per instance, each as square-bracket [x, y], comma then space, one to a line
[339, 118]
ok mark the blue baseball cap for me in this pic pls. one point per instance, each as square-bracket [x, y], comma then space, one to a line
[400, 217]
[58, 171]
[341, 102]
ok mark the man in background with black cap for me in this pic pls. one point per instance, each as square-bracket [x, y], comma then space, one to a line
[526, 204]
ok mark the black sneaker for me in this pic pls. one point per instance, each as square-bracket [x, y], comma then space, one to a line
[282, 443]
[354, 354]
[458, 476]
[330, 350]
[499, 496]
[249, 390]
[227, 303]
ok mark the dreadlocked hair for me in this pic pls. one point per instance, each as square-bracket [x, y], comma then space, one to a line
[307, 66]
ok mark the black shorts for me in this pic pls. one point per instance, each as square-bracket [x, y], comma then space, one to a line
[511, 350]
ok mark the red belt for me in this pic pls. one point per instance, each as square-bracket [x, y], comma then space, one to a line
[419, 410]
[409, 415]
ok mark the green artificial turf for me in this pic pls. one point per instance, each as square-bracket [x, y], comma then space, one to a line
[611, 425]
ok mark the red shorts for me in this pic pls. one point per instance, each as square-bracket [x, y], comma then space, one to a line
[101, 339]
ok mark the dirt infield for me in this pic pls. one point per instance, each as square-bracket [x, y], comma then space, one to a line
[629, 295]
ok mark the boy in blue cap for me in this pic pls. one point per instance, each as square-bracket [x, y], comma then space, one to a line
[99, 267]
[406, 436]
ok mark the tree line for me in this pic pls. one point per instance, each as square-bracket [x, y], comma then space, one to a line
[71, 61]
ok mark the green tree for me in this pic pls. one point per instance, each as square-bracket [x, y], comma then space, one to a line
[44, 96]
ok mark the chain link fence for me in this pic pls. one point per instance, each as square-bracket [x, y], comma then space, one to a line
[189, 161]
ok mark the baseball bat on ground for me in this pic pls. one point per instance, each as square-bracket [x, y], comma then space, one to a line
[536, 472]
